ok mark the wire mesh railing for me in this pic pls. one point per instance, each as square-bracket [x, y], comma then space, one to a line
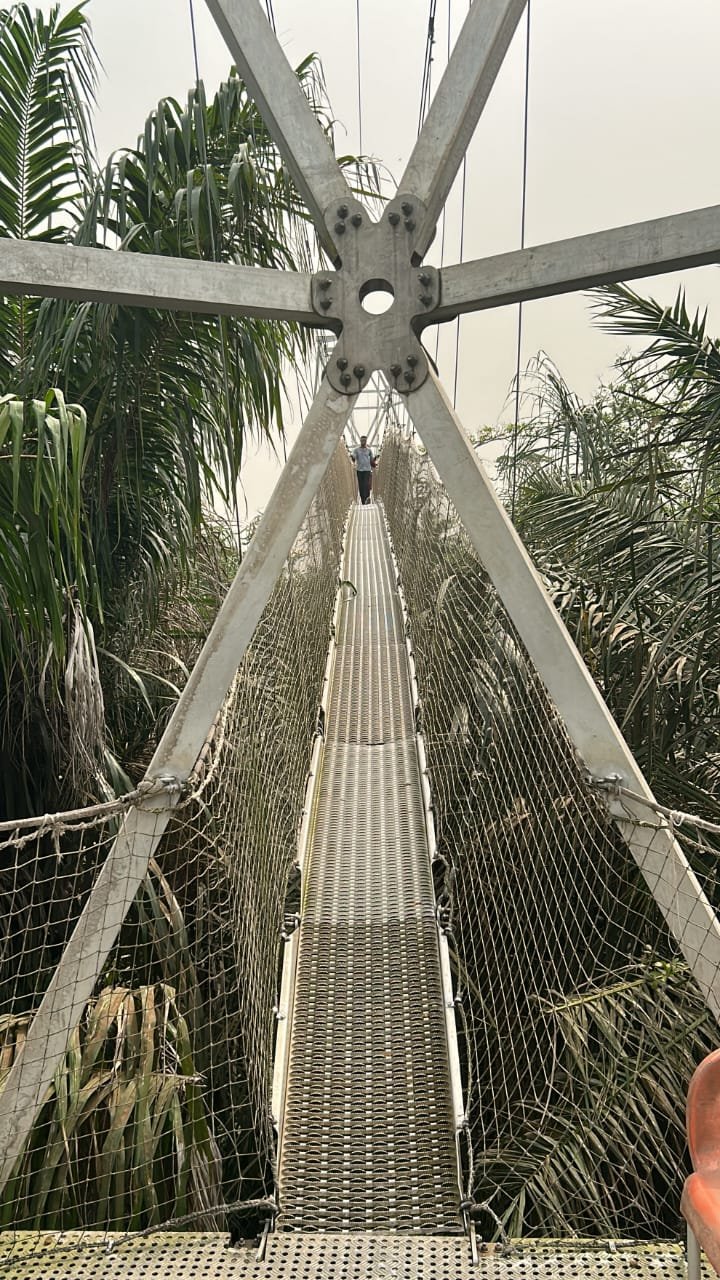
[160, 1111]
[580, 1023]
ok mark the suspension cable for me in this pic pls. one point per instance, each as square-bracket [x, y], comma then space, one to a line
[202, 142]
[462, 247]
[359, 76]
[443, 221]
[523, 210]
[427, 65]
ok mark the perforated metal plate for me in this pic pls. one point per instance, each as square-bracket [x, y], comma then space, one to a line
[368, 1141]
[369, 857]
[371, 702]
[331, 1257]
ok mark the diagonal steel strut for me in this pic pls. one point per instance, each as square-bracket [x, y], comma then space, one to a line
[456, 108]
[284, 108]
[604, 257]
[151, 280]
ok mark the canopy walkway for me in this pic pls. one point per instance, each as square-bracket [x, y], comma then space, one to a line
[368, 1136]
[429, 1007]
[394, 1140]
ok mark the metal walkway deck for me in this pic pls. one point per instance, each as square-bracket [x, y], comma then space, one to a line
[180, 1256]
[368, 1141]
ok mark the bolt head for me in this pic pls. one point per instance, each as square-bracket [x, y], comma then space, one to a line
[339, 227]
[424, 279]
[409, 376]
[409, 224]
[406, 207]
[412, 361]
[325, 303]
[395, 370]
[341, 363]
[324, 284]
[356, 219]
[426, 299]
[345, 379]
[342, 211]
[393, 219]
[359, 370]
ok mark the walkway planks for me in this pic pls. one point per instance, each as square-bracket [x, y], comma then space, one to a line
[368, 1140]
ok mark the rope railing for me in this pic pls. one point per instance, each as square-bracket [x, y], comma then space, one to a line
[161, 1111]
[580, 1023]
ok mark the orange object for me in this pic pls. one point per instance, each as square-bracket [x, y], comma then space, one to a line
[700, 1202]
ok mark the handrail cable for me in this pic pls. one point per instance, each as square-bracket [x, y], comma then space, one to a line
[443, 222]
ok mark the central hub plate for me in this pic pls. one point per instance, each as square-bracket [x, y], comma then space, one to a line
[376, 255]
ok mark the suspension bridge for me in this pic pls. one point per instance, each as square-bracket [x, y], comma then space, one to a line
[470, 874]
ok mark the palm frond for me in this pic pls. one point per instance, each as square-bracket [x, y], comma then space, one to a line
[47, 88]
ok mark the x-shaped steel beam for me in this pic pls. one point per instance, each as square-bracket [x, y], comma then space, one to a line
[365, 256]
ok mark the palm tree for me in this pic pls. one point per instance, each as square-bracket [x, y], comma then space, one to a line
[48, 72]
[147, 426]
[618, 502]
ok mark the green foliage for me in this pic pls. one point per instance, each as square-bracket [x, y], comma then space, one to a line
[111, 570]
[123, 1140]
[617, 501]
[48, 591]
[104, 532]
[602, 1151]
[47, 84]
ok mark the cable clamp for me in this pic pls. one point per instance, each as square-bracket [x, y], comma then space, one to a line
[610, 782]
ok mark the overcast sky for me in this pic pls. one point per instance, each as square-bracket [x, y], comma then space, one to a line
[624, 125]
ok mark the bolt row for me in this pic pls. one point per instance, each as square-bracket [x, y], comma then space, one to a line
[342, 215]
[345, 378]
[409, 374]
[359, 370]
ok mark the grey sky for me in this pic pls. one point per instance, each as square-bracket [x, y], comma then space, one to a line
[624, 124]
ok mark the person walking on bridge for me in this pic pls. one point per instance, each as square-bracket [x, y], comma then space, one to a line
[364, 460]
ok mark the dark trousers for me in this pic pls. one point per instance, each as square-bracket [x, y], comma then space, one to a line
[364, 486]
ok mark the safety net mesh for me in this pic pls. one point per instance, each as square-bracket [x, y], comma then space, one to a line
[580, 1024]
[161, 1108]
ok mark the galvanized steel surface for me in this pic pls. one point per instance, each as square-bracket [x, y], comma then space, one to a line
[368, 1139]
[177, 1256]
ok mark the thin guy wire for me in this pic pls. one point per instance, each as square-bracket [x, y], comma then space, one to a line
[523, 211]
[359, 76]
[462, 245]
[444, 212]
[213, 249]
[427, 65]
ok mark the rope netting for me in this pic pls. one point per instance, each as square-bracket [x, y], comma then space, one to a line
[161, 1108]
[580, 1023]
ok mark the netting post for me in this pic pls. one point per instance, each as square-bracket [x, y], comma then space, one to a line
[693, 1256]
